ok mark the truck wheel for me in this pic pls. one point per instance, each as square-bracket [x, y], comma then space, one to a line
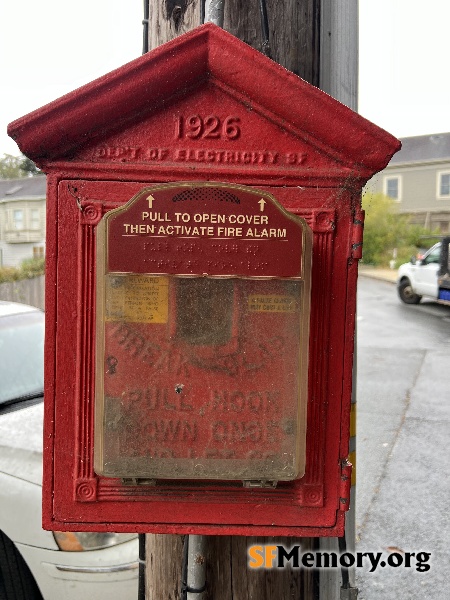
[407, 294]
[16, 580]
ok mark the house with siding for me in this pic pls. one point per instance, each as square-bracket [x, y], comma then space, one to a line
[22, 219]
[418, 178]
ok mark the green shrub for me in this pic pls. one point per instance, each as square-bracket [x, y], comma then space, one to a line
[31, 267]
[385, 230]
[8, 274]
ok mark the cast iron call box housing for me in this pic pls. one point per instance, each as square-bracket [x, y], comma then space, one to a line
[203, 234]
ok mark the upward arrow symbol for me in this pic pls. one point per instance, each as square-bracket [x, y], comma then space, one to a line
[261, 204]
[150, 201]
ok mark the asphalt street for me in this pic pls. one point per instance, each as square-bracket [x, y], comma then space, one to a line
[403, 433]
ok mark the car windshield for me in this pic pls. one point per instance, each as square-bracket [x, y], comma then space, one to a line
[433, 255]
[21, 356]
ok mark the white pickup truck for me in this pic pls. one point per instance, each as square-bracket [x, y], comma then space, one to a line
[427, 277]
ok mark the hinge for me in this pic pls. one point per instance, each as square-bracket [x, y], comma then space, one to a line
[259, 483]
[346, 482]
[357, 234]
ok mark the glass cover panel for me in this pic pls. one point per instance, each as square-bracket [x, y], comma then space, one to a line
[201, 378]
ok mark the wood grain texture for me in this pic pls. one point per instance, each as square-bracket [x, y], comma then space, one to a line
[171, 18]
[294, 28]
[164, 555]
[339, 51]
[227, 575]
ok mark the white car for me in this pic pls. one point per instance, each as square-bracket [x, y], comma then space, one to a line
[420, 277]
[37, 564]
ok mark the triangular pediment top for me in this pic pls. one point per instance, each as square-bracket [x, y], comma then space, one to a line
[213, 126]
[142, 86]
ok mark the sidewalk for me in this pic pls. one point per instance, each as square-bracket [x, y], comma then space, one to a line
[389, 275]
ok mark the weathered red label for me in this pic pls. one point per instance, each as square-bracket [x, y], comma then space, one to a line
[204, 229]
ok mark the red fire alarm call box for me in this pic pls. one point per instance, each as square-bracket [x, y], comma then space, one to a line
[203, 232]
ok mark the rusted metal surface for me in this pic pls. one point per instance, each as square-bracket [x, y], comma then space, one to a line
[235, 117]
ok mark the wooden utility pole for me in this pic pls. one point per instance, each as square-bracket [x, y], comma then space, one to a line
[294, 28]
[316, 40]
[227, 574]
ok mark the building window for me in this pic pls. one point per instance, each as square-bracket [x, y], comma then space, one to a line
[38, 251]
[34, 219]
[18, 219]
[392, 188]
[443, 185]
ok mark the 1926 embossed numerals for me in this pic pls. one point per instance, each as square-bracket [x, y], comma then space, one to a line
[210, 127]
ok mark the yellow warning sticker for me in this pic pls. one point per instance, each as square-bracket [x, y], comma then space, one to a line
[137, 298]
[272, 303]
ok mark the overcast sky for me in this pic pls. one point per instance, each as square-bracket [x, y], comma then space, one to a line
[51, 47]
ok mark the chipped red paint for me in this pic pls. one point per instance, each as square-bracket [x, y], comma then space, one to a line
[204, 107]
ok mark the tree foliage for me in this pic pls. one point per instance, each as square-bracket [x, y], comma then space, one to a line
[28, 167]
[14, 167]
[388, 235]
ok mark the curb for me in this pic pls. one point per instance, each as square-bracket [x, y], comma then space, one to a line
[387, 275]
